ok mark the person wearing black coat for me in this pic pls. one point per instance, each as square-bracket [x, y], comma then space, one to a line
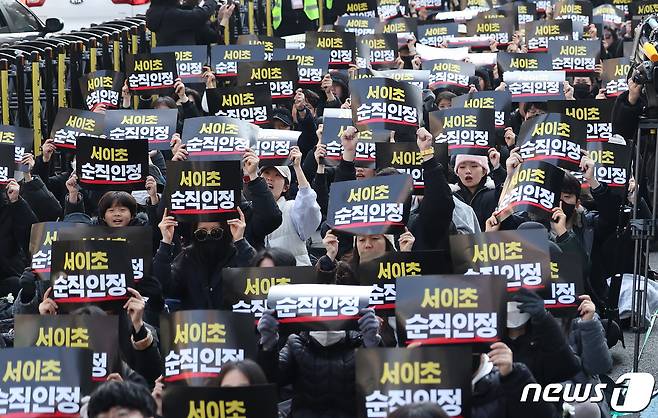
[627, 110]
[16, 219]
[540, 343]
[174, 25]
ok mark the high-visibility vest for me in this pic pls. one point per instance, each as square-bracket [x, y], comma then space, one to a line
[310, 8]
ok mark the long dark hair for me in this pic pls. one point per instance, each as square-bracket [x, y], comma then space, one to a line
[249, 368]
[279, 257]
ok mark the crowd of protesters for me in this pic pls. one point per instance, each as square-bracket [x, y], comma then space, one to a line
[282, 222]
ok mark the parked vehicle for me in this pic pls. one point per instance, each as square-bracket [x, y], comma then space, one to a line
[17, 23]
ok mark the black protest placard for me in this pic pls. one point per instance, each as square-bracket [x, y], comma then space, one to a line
[224, 58]
[280, 76]
[382, 272]
[269, 43]
[554, 138]
[388, 378]
[245, 289]
[357, 8]
[430, 4]
[385, 104]
[44, 381]
[272, 146]
[595, 114]
[532, 61]
[342, 46]
[607, 14]
[332, 131]
[451, 309]
[370, 206]
[112, 165]
[579, 11]
[90, 273]
[137, 239]
[22, 142]
[157, 126]
[190, 60]
[623, 5]
[377, 51]
[98, 333]
[575, 57]
[195, 345]
[466, 131]
[71, 123]
[358, 25]
[499, 101]
[7, 164]
[249, 103]
[450, 75]
[258, 401]
[405, 26]
[643, 8]
[539, 32]
[42, 236]
[500, 30]
[614, 78]
[102, 87]
[566, 284]
[542, 5]
[535, 188]
[387, 9]
[312, 65]
[203, 190]
[526, 86]
[151, 74]
[476, 5]
[524, 12]
[419, 78]
[217, 138]
[612, 164]
[309, 307]
[405, 157]
[434, 34]
[520, 256]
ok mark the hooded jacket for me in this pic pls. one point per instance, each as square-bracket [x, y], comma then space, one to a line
[323, 378]
[177, 26]
[485, 199]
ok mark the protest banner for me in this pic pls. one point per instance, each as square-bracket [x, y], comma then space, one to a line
[258, 401]
[389, 378]
[70, 123]
[532, 61]
[465, 131]
[280, 76]
[310, 307]
[90, 273]
[535, 188]
[595, 114]
[577, 11]
[102, 87]
[269, 43]
[157, 126]
[419, 78]
[612, 164]
[44, 382]
[151, 74]
[384, 104]
[449, 74]
[332, 131]
[521, 256]
[434, 34]
[358, 25]
[195, 345]
[203, 190]
[342, 46]
[96, 332]
[272, 146]
[7, 164]
[577, 58]
[22, 142]
[500, 30]
[312, 65]
[614, 78]
[451, 309]
[112, 165]
[217, 138]
[249, 103]
[245, 289]
[539, 32]
[377, 51]
[42, 236]
[190, 60]
[566, 284]
[554, 138]
[224, 59]
[535, 86]
[499, 101]
[370, 206]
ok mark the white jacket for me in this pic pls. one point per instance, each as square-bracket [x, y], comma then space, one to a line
[301, 217]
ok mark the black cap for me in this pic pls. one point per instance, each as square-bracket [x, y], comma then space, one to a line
[282, 114]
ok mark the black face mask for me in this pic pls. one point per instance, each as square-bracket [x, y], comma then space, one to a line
[568, 209]
[581, 91]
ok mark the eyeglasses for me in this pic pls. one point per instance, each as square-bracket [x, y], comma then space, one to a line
[204, 235]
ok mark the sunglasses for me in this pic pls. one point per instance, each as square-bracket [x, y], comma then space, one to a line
[204, 235]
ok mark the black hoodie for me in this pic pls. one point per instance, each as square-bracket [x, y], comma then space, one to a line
[176, 26]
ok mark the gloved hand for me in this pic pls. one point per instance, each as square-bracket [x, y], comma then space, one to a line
[369, 327]
[531, 303]
[28, 282]
[268, 328]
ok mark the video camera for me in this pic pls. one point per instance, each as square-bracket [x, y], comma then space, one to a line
[644, 62]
